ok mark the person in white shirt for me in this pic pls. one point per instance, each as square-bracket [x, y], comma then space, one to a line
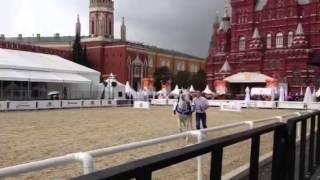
[200, 107]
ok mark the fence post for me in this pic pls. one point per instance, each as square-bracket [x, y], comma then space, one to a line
[279, 159]
[200, 136]
[291, 159]
[87, 162]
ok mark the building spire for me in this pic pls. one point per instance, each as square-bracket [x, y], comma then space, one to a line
[299, 40]
[123, 30]
[78, 26]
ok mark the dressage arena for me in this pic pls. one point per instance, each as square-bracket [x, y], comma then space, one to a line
[32, 136]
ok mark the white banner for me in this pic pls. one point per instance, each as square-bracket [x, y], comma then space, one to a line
[141, 105]
[291, 105]
[22, 105]
[49, 104]
[214, 103]
[109, 103]
[172, 101]
[159, 102]
[314, 106]
[71, 104]
[91, 103]
[3, 105]
[266, 104]
[232, 107]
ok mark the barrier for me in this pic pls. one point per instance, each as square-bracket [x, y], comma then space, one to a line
[87, 157]
[291, 105]
[141, 105]
[71, 104]
[91, 103]
[214, 103]
[106, 103]
[3, 105]
[314, 106]
[49, 105]
[231, 106]
[159, 102]
[22, 105]
[172, 101]
[266, 104]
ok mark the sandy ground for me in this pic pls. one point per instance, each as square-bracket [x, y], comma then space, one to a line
[31, 136]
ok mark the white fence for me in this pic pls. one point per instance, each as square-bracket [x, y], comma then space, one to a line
[57, 104]
[87, 158]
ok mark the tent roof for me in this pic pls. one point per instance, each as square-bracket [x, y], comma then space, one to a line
[22, 60]
[248, 77]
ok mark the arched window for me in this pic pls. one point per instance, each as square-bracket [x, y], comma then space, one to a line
[279, 40]
[269, 41]
[290, 38]
[242, 43]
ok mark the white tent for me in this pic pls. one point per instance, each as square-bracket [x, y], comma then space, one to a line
[208, 90]
[176, 91]
[192, 89]
[318, 93]
[314, 95]
[248, 77]
[129, 90]
[281, 94]
[247, 98]
[308, 96]
[117, 92]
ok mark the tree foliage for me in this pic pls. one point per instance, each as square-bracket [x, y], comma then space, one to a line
[161, 75]
[80, 54]
[183, 79]
[199, 80]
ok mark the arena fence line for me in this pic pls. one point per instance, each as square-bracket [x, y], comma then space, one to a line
[284, 164]
[87, 157]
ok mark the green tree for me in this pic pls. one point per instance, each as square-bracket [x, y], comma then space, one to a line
[80, 54]
[199, 80]
[183, 79]
[161, 75]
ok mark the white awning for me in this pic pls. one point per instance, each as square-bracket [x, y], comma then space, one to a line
[41, 76]
[248, 77]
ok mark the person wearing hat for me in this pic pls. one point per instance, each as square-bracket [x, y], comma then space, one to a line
[200, 106]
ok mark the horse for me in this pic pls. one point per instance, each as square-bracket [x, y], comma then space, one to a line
[184, 110]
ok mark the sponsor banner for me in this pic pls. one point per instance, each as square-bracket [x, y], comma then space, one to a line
[172, 101]
[314, 106]
[266, 104]
[71, 103]
[232, 107]
[91, 103]
[22, 105]
[49, 104]
[214, 103]
[159, 102]
[109, 103]
[141, 105]
[3, 105]
[291, 105]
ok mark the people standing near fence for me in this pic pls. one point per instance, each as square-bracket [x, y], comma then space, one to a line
[200, 105]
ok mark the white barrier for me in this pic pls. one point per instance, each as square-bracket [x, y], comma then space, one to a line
[231, 106]
[172, 101]
[314, 106]
[22, 105]
[49, 105]
[214, 103]
[141, 105]
[159, 102]
[3, 105]
[266, 104]
[91, 103]
[107, 103]
[291, 105]
[87, 157]
[71, 104]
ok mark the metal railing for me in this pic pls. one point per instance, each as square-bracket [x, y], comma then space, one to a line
[303, 156]
[143, 169]
[284, 156]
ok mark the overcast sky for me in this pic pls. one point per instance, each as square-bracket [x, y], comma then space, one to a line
[183, 25]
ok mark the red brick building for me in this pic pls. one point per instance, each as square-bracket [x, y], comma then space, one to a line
[278, 38]
[129, 61]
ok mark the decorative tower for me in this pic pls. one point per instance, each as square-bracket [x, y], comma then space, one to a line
[101, 18]
[300, 40]
[256, 42]
[123, 30]
[78, 27]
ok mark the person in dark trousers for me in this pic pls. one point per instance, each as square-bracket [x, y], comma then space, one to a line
[200, 106]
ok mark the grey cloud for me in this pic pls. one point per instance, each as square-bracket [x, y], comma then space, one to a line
[182, 25]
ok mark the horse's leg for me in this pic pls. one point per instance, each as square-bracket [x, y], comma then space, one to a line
[179, 124]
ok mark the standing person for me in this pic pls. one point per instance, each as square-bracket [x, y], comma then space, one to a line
[200, 106]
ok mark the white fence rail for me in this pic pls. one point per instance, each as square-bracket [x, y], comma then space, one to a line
[87, 158]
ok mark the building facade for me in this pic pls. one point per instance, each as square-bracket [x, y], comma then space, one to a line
[128, 61]
[279, 38]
